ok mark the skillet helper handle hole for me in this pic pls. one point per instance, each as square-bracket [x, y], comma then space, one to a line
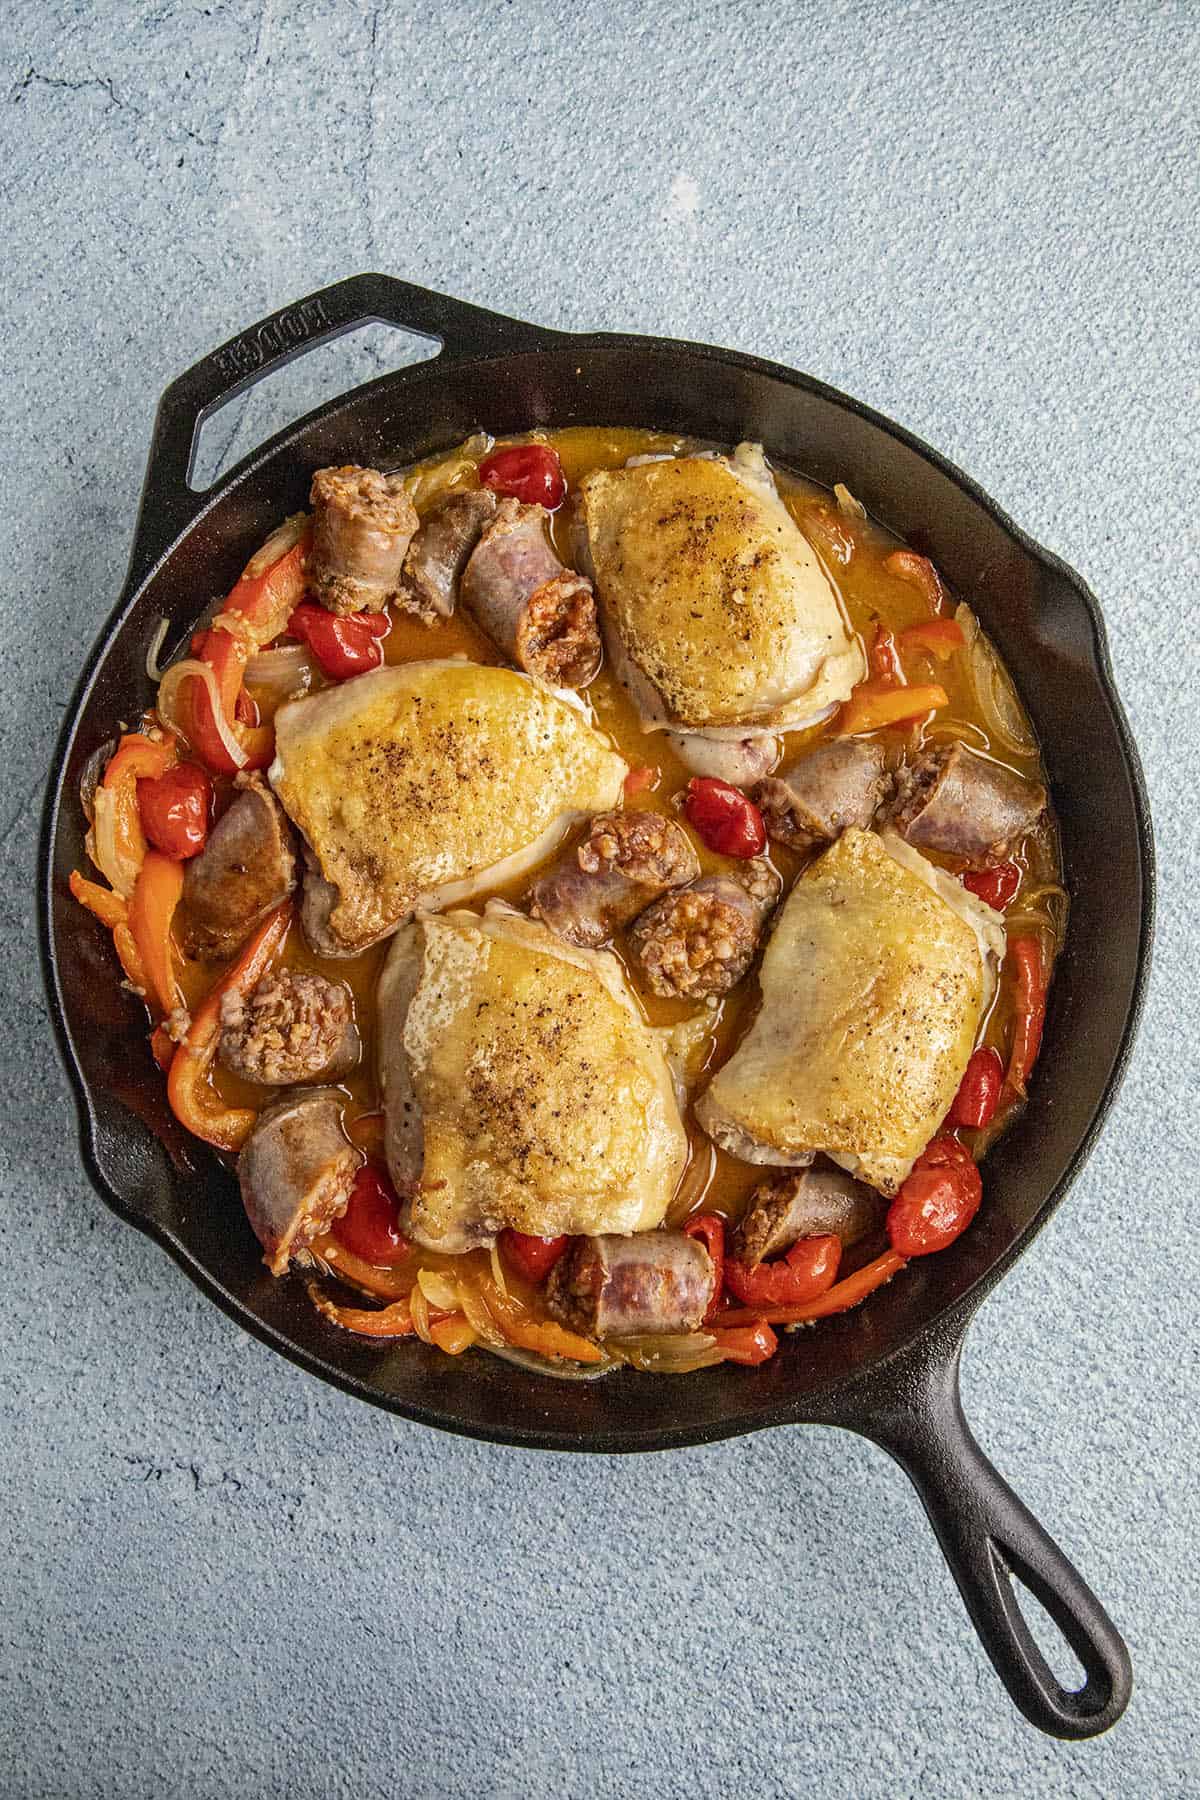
[450, 328]
[988, 1536]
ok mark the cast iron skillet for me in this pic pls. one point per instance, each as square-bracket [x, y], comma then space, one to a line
[889, 1370]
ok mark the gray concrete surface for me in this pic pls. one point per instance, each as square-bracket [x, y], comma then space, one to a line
[221, 1578]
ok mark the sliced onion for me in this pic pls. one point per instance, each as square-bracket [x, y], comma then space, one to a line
[994, 693]
[168, 692]
[498, 1270]
[284, 538]
[429, 481]
[438, 1288]
[419, 1307]
[677, 1354]
[119, 870]
[279, 675]
[478, 1316]
[847, 504]
[156, 644]
[91, 777]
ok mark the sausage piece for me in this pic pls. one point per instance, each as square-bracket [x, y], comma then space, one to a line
[701, 939]
[625, 861]
[290, 1028]
[296, 1171]
[823, 794]
[814, 1202]
[654, 1281]
[541, 614]
[952, 799]
[739, 761]
[246, 868]
[363, 523]
[440, 550]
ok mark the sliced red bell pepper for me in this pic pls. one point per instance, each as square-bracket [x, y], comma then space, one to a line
[974, 1105]
[710, 1229]
[343, 646]
[748, 1344]
[151, 909]
[1029, 1011]
[255, 613]
[808, 1269]
[941, 637]
[189, 1090]
[839, 1298]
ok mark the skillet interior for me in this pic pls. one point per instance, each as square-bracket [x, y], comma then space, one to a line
[1049, 633]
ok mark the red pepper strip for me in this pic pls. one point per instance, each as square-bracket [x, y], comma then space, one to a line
[256, 612]
[941, 637]
[937, 1202]
[809, 1269]
[748, 1344]
[343, 646]
[872, 705]
[108, 907]
[995, 887]
[974, 1104]
[906, 565]
[884, 658]
[639, 779]
[117, 836]
[710, 1229]
[189, 1091]
[532, 1257]
[1029, 1008]
[839, 1298]
[151, 909]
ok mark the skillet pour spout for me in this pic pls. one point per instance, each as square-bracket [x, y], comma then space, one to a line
[888, 1370]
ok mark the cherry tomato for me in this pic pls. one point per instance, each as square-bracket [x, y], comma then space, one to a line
[370, 1225]
[979, 1090]
[710, 1229]
[808, 1269]
[174, 809]
[937, 1202]
[995, 887]
[532, 1257]
[528, 472]
[721, 815]
[749, 1344]
[343, 646]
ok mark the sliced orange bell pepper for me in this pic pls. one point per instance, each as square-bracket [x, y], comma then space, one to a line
[130, 960]
[151, 910]
[873, 704]
[189, 1090]
[368, 1321]
[453, 1334]
[256, 611]
[527, 1333]
[941, 637]
[117, 843]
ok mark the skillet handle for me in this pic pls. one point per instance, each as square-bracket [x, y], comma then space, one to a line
[988, 1535]
[460, 330]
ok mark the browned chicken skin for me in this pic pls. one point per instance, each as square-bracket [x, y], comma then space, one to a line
[652, 1281]
[290, 1028]
[700, 940]
[626, 860]
[247, 867]
[363, 523]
